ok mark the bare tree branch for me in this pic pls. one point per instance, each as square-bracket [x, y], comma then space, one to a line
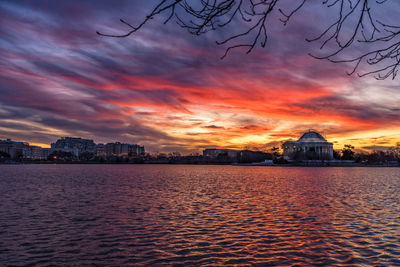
[356, 24]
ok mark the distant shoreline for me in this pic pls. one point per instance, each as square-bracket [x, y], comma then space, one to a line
[201, 163]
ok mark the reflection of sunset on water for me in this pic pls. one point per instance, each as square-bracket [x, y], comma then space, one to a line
[241, 215]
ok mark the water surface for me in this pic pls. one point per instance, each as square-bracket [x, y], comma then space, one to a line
[198, 215]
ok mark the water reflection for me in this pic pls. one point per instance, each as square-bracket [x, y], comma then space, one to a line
[197, 215]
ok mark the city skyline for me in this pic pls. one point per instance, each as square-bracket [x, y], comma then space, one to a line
[280, 145]
[73, 147]
[169, 90]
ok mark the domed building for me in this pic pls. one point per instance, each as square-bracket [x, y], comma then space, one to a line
[310, 146]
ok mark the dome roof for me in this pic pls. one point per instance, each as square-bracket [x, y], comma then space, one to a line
[312, 136]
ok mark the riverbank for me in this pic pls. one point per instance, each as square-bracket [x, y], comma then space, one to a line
[292, 164]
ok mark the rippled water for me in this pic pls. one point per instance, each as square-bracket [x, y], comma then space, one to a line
[198, 215]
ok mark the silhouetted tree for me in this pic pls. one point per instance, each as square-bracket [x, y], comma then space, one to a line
[275, 151]
[336, 155]
[86, 156]
[174, 155]
[389, 156]
[162, 156]
[61, 155]
[4, 156]
[247, 156]
[347, 152]
[356, 22]
[280, 160]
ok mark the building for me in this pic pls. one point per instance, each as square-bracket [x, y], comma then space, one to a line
[116, 149]
[136, 150]
[100, 150]
[78, 147]
[123, 150]
[310, 146]
[12, 148]
[35, 153]
[74, 145]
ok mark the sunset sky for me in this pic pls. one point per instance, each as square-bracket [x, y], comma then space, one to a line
[170, 91]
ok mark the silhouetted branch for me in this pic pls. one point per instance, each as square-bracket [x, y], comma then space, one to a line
[163, 6]
[378, 37]
[355, 23]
